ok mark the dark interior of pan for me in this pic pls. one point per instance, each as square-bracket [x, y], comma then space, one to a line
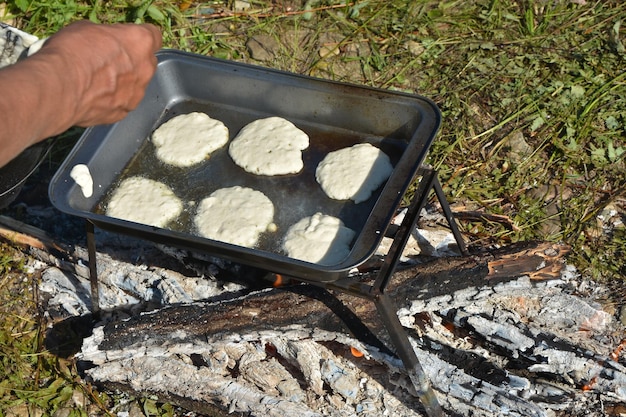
[334, 115]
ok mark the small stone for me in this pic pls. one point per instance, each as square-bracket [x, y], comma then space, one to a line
[415, 48]
[328, 50]
[262, 47]
[329, 44]
[519, 149]
[241, 6]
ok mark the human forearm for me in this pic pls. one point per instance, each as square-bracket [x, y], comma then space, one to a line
[87, 74]
[34, 104]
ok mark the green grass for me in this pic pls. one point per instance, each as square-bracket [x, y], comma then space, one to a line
[31, 379]
[550, 73]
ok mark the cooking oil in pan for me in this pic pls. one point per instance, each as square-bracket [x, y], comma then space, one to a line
[294, 196]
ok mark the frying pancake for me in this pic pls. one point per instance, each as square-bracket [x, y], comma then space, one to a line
[353, 173]
[270, 146]
[189, 139]
[319, 239]
[144, 201]
[236, 215]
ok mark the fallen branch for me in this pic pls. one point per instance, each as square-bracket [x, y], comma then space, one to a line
[26, 236]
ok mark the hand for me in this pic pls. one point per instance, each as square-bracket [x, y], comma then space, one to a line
[108, 68]
[85, 75]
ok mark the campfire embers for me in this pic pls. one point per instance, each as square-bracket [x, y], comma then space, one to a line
[488, 344]
[552, 346]
[482, 352]
[529, 347]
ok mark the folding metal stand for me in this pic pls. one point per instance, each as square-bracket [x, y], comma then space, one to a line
[374, 292]
[385, 306]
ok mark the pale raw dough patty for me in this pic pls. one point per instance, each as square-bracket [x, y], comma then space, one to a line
[271, 146]
[353, 173]
[236, 215]
[188, 139]
[80, 173]
[319, 239]
[144, 201]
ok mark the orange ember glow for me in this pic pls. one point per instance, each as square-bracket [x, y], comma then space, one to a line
[278, 281]
[449, 327]
[615, 354]
[355, 352]
[589, 386]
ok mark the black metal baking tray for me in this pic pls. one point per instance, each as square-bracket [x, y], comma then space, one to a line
[335, 115]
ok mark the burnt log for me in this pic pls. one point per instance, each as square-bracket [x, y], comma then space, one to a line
[513, 332]
[490, 343]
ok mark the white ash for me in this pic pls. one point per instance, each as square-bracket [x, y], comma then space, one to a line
[65, 291]
[127, 286]
[550, 331]
[558, 337]
[435, 242]
[512, 316]
[168, 367]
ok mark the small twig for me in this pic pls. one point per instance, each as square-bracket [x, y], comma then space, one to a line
[34, 241]
[492, 218]
[26, 236]
[228, 13]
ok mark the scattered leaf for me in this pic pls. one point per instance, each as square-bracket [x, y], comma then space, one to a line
[156, 14]
[577, 91]
[614, 153]
[611, 123]
[572, 145]
[435, 13]
[308, 10]
[537, 123]
[355, 10]
[23, 5]
[598, 156]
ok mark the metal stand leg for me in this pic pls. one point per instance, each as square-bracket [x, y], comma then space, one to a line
[93, 271]
[404, 231]
[387, 311]
[449, 216]
[386, 308]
